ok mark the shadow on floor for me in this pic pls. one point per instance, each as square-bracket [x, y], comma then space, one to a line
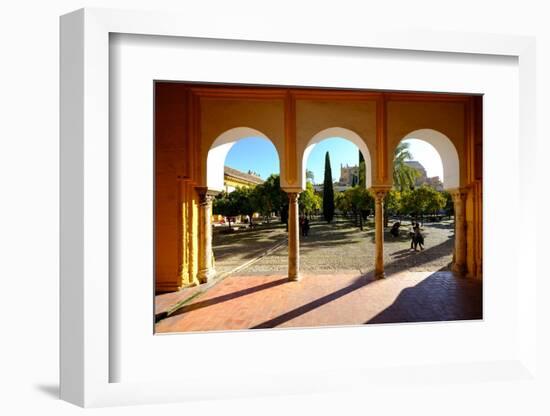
[360, 282]
[406, 259]
[294, 313]
[224, 298]
[243, 247]
[442, 296]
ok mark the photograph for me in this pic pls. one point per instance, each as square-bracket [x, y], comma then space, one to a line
[303, 207]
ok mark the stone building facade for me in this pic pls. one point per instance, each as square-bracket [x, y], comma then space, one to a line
[422, 178]
[233, 178]
[349, 175]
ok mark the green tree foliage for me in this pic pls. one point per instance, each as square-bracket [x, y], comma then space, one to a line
[392, 202]
[436, 202]
[392, 205]
[404, 176]
[265, 198]
[246, 200]
[421, 201]
[449, 204]
[328, 192]
[360, 202]
[408, 206]
[309, 201]
[227, 205]
[342, 203]
[271, 198]
[268, 196]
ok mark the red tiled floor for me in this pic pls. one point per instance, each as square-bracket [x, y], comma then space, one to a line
[165, 301]
[244, 302]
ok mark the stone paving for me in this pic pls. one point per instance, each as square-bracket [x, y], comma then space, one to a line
[272, 301]
[234, 249]
[341, 246]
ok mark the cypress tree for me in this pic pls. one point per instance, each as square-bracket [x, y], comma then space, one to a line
[362, 170]
[328, 192]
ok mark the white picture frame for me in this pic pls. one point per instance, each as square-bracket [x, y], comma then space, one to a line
[86, 301]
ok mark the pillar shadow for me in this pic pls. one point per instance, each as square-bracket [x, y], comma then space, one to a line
[406, 259]
[442, 296]
[229, 296]
[360, 282]
[248, 248]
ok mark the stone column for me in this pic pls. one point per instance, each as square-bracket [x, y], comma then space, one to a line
[293, 237]
[379, 232]
[206, 267]
[459, 200]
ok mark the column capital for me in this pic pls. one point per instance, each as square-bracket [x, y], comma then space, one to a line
[379, 192]
[293, 196]
[206, 195]
[458, 194]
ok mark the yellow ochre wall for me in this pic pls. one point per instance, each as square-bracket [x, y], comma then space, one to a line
[404, 117]
[315, 115]
[220, 115]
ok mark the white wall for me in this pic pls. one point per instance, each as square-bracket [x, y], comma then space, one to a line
[29, 208]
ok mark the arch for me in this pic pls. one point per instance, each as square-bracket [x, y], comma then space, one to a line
[447, 152]
[339, 132]
[219, 149]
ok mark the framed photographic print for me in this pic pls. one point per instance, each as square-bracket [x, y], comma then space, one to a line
[274, 214]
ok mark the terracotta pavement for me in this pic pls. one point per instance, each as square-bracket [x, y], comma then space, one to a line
[271, 301]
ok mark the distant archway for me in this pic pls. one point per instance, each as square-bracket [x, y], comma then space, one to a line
[339, 132]
[446, 150]
[220, 148]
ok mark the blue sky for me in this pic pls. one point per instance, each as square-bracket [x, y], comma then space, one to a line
[255, 154]
[259, 155]
[341, 152]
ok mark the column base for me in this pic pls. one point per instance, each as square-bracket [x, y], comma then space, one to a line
[294, 278]
[184, 279]
[379, 274]
[459, 269]
[206, 275]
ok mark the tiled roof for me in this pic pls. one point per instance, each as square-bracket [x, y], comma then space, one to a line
[237, 174]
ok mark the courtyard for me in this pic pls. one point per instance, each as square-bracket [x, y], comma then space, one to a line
[337, 285]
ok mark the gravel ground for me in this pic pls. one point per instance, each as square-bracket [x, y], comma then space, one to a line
[234, 249]
[339, 246]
